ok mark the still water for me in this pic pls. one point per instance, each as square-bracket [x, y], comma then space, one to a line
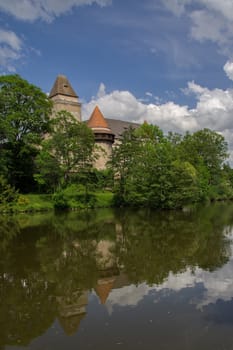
[117, 280]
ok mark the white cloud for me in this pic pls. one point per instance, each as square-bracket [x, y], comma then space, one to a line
[10, 49]
[213, 109]
[127, 296]
[47, 10]
[102, 91]
[208, 26]
[210, 20]
[228, 68]
[124, 105]
[223, 7]
[176, 6]
[11, 39]
[217, 285]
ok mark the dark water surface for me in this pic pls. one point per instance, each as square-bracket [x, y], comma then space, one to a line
[117, 280]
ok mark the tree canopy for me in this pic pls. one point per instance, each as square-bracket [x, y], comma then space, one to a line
[147, 168]
[67, 152]
[169, 171]
[24, 118]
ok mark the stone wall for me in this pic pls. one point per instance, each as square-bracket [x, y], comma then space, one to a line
[69, 104]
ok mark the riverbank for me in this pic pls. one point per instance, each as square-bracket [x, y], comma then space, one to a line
[47, 202]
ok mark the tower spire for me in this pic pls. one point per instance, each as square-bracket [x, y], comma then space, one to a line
[62, 86]
[64, 97]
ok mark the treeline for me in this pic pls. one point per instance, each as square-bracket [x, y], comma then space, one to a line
[40, 154]
[170, 171]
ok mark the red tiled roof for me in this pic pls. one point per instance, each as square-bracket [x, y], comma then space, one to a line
[97, 120]
[103, 290]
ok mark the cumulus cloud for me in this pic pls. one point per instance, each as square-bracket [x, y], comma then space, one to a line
[228, 68]
[124, 105]
[213, 109]
[102, 91]
[217, 285]
[209, 26]
[10, 49]
[46, 10]
[127, 296]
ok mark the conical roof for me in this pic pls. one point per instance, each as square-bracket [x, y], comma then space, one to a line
[97, 120]
[62, 86]
[103, 289]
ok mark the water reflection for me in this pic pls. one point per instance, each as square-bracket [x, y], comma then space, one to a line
[67, 279]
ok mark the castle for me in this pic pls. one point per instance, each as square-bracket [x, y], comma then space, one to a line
[106, 131]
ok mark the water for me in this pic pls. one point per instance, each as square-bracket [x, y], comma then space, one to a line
[117, 280]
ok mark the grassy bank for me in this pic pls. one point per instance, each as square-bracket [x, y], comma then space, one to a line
[45, 202]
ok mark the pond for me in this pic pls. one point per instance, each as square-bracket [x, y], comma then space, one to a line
[118, 279]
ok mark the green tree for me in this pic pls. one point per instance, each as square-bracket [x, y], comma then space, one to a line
[66, 153]
[169, 171]
[208, 148]
[123, 158]
[24, 118]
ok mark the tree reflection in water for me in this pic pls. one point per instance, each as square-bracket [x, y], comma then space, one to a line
[50, 263]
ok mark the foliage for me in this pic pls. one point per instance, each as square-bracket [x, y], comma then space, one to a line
[8, 194]
[66, 153]
[169, 172]
[60, 259]
[205, 149]
[33, 203]
[24, 118]
[73, 196]
[147, 168]
[60, 200]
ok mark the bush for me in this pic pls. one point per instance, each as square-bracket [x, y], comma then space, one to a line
[61, 201]
[8, 194]
[74, 196]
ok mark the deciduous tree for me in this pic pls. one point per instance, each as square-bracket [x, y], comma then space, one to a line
[24, 118]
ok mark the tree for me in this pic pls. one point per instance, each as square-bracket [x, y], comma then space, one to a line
[169, 172]
[206, 147]
[24, 118]
[67, 152]
[124, 156]
[206, 150]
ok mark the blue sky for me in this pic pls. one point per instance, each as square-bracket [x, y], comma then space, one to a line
[169, 62]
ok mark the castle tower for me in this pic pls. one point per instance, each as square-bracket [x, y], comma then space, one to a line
[104, 137]
[65, 98]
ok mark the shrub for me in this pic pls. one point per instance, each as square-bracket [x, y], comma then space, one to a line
[61, 201]
[8, 194]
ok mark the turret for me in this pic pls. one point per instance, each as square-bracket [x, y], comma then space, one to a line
[104, 137]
